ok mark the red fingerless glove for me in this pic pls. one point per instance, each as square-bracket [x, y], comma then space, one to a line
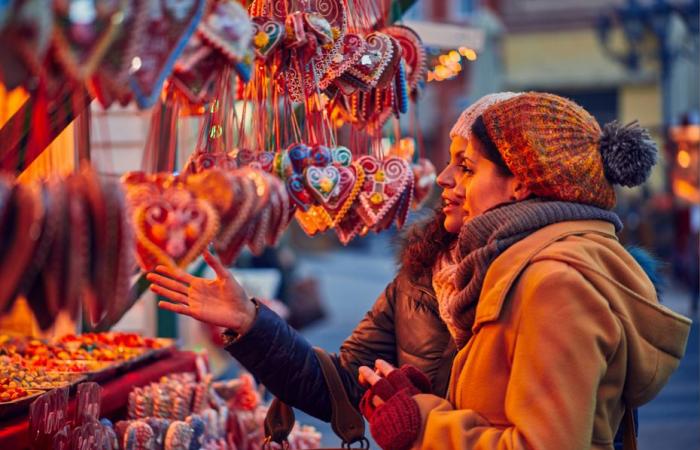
[395, 424]
[407, 377]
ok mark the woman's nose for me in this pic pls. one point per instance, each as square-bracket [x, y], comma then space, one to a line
[446, 178]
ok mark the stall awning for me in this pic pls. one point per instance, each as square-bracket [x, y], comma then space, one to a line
[442, 35]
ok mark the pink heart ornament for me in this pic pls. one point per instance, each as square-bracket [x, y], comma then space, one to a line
[384, 184]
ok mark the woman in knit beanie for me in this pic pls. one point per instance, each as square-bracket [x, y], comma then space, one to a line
[559, 330]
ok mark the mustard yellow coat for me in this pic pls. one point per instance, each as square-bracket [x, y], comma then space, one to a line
[568, 327]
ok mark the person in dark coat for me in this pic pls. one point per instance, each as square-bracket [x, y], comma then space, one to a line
[405, 325]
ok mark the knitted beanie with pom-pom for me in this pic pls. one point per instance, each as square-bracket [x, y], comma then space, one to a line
[558, 150]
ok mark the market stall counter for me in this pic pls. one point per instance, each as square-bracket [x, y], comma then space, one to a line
[14, 432]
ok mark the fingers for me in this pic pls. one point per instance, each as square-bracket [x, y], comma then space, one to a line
[384, 367]
[175, 273]
[216, 265]
[169, 283]
[368, 376]
[174, 307]
[169, 294]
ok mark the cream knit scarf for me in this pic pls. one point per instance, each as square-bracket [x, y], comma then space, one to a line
[459, 274]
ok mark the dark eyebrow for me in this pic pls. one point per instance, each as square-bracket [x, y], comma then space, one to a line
[466, 158]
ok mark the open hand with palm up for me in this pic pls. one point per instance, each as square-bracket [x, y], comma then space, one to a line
[221, 301]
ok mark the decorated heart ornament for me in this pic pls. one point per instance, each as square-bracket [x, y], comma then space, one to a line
[341, 156]
[413, 53]
[296, 188]
[299, 155]
[374, 62]
[320, 155]
[173, 232]
[200, 161]
[197, 71]
[110, 81]
[263, 161]
[82, 40]
[228, 28]
[350, 53]
[314, 220]
[267, 36]
[384, 184]
[170, 25]
[425, 175]
[26, 36]
[321, 182]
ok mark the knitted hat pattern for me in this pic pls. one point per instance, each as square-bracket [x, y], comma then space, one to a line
[558, 149]
[463, 126]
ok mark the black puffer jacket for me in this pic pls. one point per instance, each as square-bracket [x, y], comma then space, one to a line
[403, 327]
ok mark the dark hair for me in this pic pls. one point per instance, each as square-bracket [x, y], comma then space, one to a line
[488, 147]
[423, 243]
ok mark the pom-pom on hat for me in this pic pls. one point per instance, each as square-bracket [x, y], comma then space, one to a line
[559, 151]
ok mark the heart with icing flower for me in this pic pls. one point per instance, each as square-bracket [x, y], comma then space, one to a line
[267, 36]
[385, 183]
[173, 229]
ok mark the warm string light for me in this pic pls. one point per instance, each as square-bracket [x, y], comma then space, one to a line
[450, 64]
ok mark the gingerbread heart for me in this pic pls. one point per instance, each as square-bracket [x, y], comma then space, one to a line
[351, 51]
[425, 176]
[173, 230]
[374, 62]
[298, 192]
[23, 218]
[314, 220]
[351, 180]
[228, 28]
[267, 36]
[81, 41]
[196, 72]
[263, 161]
[321, 182]
[200, 161]
[170, 25]
[236, 218]
[244, 156]
[25, 39]
[110, 80]
[320, 155]
[413, 53]
[384, 184]
[341, 156]
[299, 156]
[349, 226]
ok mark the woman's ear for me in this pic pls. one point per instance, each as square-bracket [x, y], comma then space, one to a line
[519, 191]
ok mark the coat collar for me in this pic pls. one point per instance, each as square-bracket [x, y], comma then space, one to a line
[507, 266]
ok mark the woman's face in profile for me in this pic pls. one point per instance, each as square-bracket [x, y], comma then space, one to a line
[471, 184]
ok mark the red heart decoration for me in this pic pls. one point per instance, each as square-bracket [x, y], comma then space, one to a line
[228, 28]
[197, 71]
[413, 53]
[263, 161]
[374, 62]
[80, 46]
[200, 161]
[25, 37]
[170, 25]
[110, 80]
[425, 176]
[353, 47]
[173, 230]
[298, 192]
[384, 185]
[267, 36]
[349, 226]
